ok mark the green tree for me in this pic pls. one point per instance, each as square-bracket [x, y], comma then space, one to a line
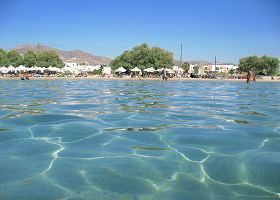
[14, 58]
[143, 56]
[243, 65]
[124, 60]
[271, 65]
[231, 72]
[160, 58]
[49, 58]
[196, 69]
[186, 65]
[4, 62]
[29, 59]
[259, 65]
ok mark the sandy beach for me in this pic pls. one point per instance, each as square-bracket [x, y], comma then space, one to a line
[136, 79]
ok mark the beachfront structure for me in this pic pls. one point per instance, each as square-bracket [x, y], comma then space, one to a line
[70, 64]
[106, 71]
[75, 68]
[224, 68]
[120, 70]
[149, 70]
[220, 68]
[192, 69]
[80, 69]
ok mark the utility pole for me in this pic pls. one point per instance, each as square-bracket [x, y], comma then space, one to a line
[215, 63]
[181, 56]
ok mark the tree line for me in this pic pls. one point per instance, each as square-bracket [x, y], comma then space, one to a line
[143, 56]
[264, 65]
[40, 59]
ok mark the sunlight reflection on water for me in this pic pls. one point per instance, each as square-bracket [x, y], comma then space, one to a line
[89, 139]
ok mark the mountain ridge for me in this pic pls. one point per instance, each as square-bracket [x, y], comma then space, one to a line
[76, 55]
[80, 56]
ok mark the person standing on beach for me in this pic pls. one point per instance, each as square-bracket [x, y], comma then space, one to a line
[164, 75]
[138, 75]
[186, 73]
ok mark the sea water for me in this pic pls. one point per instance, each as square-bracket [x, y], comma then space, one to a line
[139, 140]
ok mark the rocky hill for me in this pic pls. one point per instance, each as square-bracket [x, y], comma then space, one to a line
[81, 56]
[193, 62]
[202, 62]
[67, 56]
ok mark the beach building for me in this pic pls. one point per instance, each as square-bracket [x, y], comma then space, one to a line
[70, 64]
[224, 68]
[207, 69]
[192, 69]
[220, 68]
[106, 72]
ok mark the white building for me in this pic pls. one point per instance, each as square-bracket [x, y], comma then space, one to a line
[70, 64]
[220, 68]
[191, 70]
[224, 68]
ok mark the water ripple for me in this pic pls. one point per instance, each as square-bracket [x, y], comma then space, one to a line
[139, 140]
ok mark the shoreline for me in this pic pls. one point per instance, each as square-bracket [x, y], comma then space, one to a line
[137, 79]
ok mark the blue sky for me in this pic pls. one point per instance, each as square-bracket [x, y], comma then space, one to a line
[229, 29]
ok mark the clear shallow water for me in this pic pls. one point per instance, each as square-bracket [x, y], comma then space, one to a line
[139, 140]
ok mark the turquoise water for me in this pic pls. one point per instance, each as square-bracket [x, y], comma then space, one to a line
[139, 140]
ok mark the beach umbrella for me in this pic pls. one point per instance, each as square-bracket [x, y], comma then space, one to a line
[136, 69]
[68, 69]
[120, 70]
[4, 70]
[22, 68]
[42, 69]
[159, 70]
[151, 70]
[50, 68]
[34, 68]
[180, 70]
[76, 72]
[11, 68]
[106, 70]
[96, 67]
[175, 68]
[59, 70]
[170, 71]
[54, 69]
[92, 68]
